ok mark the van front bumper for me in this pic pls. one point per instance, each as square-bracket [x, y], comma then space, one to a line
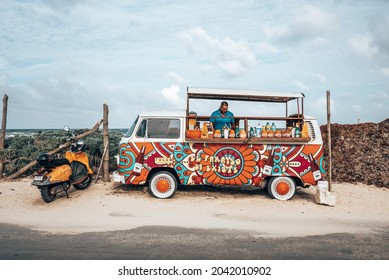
[116, 177]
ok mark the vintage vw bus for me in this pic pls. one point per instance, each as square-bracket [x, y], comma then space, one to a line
[166, 149]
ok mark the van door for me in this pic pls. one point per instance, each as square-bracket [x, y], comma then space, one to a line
[152, 147]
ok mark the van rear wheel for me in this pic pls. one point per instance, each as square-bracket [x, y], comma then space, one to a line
[281, 188]
[163, 184]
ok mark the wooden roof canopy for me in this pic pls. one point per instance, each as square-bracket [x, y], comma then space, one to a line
[245, 95]
[242, 95]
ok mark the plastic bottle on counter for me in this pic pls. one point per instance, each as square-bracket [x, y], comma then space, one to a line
[264, 132]
[273, 127]
[242, 133]
[259, 130]
[204, 130]
[237, 132]
[272, 130]
[305, 131]
[252, 131]
[297, 131]
[210, 130]
[226, 131]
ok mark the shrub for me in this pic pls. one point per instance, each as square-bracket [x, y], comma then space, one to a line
[23, 149]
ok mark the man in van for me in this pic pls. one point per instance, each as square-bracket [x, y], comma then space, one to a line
[222, 117]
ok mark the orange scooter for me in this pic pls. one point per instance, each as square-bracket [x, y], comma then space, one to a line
[58, 175]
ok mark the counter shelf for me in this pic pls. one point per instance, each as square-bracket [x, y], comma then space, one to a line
[253, 140]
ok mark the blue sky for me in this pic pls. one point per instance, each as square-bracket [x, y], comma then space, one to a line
[60, 61]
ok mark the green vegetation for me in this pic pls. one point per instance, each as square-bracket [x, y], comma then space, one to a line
[23, 149]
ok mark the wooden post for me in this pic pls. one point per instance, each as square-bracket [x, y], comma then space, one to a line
[106, 144]
[3, 129]
[329, 141]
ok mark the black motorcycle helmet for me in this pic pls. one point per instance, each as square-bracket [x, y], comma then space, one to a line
[44, 159]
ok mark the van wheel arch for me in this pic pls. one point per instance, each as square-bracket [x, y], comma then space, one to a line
[159, 169]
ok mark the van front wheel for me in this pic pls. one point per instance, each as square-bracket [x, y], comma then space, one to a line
[281, 188]
[163, 184]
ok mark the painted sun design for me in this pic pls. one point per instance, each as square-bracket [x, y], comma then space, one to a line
[233, 165]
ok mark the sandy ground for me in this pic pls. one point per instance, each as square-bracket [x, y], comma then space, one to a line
[106, 207]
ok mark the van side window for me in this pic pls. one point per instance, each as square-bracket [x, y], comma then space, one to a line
[163, 128]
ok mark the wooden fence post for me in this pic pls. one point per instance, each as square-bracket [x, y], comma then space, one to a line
[106, 144]
[3, 129]
[329, 141]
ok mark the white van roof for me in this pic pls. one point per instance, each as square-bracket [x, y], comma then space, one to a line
[164, 113]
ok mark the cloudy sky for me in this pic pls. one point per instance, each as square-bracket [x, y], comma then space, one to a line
[60, 61]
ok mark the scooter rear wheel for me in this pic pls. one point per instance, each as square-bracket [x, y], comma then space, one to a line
[48, 194]
[85, 184]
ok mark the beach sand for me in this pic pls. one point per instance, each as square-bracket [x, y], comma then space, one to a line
[108, 206]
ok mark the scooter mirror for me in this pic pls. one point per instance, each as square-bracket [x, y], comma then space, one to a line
[66, 128]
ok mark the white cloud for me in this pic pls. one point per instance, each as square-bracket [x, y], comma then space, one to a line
[309, 23]
[64, 55]
[380, 36]
[300, 85]
[380, 98]
[171, 94]
[4, 81]
[373, 45]
[347, 96]
[312, 19]
[385, 71]
[318, 108]
[232, 58]
[319, 42]
[361, 44]
[276, 33]
[264, 48]
[357, 108]
[319, 77]
[176, 79]
[3, 62]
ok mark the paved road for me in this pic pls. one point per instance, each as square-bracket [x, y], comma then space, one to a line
[169, 243]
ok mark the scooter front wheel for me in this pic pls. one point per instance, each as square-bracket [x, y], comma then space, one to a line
[48, 194]
[85, 184]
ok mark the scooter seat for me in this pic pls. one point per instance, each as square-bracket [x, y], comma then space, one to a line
[47, 160]
[59, 161]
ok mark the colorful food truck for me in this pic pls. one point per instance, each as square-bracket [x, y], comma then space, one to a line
[164, 150]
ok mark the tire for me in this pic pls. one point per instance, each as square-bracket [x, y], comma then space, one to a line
[281, 188]
[163, 185]
[83, 185]
[48, 194]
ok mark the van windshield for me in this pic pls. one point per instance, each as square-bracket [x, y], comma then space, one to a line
[131, 130]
